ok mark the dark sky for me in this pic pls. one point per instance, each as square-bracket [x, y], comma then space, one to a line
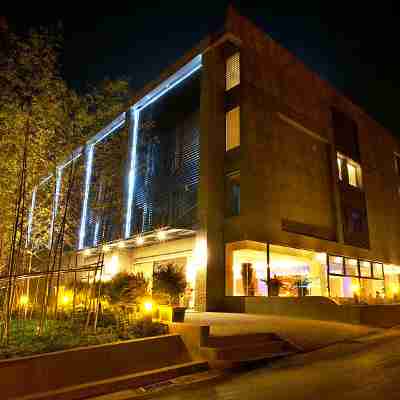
[352, 46]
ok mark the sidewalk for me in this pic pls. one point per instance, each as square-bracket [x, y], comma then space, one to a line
[307, 334]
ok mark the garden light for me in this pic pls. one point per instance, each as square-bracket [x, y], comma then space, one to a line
[24, 300]
[66, 299]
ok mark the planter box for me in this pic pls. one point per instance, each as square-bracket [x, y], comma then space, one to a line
[48, 372]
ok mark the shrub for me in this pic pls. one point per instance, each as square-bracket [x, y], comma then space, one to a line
[169, 282]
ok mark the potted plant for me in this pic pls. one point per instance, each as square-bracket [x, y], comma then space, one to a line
[274, 286]
[169, 284]
[303, 287]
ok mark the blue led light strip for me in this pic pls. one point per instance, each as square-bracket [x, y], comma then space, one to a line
[30, 217]
[182, 74]
[116, 124]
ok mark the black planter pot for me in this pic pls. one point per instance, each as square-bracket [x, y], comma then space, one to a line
[178, 314]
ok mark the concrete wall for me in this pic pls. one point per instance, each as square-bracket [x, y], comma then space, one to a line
[287, 172]
[77, 366]
[287, 160]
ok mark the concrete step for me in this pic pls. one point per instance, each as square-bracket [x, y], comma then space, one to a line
[121, 383]
[245, 339]
[227, 351]
[246, 352]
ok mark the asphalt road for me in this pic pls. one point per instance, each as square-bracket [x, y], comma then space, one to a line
[367, 368]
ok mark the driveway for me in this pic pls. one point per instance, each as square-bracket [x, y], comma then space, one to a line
[367, 369]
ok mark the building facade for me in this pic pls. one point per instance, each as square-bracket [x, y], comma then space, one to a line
[243, 168]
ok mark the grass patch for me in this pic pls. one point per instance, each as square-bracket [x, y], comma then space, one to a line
[62, 335]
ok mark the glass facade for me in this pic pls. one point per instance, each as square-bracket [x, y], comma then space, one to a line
[258, 269]
[167, 162]
[290, 273]
[138, 174]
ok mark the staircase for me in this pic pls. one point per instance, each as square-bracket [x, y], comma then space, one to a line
[229, 351]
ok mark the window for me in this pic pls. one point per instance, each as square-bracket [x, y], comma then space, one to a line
[340, 167]
[233, 194]
[336, 265]
[233, 71]
[365, 269]
[351, 267]
[378, 270]
[397, 163]
[352, 174]
[355, 221]
[233, 129]
[349, 171]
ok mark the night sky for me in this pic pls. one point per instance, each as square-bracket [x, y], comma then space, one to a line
[354, 47]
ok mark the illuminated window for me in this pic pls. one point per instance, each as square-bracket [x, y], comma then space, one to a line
[352, 174]
[233, 71]
[377, 270]
[233, 128]
[365, 269]
[351, 267]
[340, 166]
[336, 265]
[349, 171]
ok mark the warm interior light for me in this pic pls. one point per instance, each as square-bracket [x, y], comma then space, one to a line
[24, 300]
[148, 306]
[139, 240]
[161, 235]
[121, 245]
[355, 288]
[87, 252]
[106, 248]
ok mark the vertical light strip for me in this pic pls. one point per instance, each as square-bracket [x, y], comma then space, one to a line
[88, 175]
[153, 96]
[55, 203]
[132, 172]
[30, 217]
[96, 232]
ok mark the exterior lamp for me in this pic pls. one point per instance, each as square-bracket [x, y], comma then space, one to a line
[24, 300]
[148, 306]
[139, 240]
[66, 299]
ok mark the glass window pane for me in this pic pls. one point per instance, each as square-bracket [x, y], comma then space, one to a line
[344, 287]
[377, 270]
[168, 159]
[340, 164]
[371, 290]
[249, 272]
[296, 273]
[365, 268]
[351, 267]
[233, 128]
[233, 71]
[233, 194]
[352, 174]
[336, 265]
